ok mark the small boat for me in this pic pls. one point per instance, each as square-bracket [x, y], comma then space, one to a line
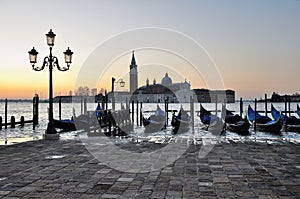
[264, 123]
[207, 117]
[292, 123]
[241, 127]
[65, 125]
[235, 122]
[212, 122]
[261, 119]
[230, 117]
[155, 122]
[180, 122]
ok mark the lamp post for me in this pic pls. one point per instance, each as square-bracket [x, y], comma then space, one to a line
[50, 61]
[113, 82]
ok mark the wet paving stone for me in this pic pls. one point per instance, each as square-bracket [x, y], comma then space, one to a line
[66, 169]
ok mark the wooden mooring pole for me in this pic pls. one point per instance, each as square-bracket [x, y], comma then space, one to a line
[137, 113]
[289, 103]
[167, 110]
[132, 112]
[255, 107]
[59, 108]
[241, 106]
[141, 114]
[5, 114]
[12, 122]
[266, 105]
[192, 113]
[216, 104]
[285, 110]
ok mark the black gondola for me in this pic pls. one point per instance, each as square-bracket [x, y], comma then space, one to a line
[65, 125]
[264, 123]
[235, 123]
[291, 122]
[181, 122]
[212, 122]
[155, 122]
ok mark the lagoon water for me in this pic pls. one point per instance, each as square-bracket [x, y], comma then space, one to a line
[26, 133]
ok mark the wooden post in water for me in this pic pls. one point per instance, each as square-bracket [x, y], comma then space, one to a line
[192, 113]
[266, 105]
[241, 106]
[132, 112]
[167, 109]
[84, 107]
[285, 110]
[12, 122]
[141, 114]
[289, 103]
[5, 114]
[106, 100]
[255, 104]
[35, 111]
[216, 104]
[285, 104]
[22, 121]
[59, 107]
[0, 122]
[223, 114]
[81, 105]
[137, 113]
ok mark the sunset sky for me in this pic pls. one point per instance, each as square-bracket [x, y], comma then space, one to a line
[254, 45]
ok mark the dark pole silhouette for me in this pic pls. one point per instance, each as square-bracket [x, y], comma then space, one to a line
[50, 61]
[113, 82]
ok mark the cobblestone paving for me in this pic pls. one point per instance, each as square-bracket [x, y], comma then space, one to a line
[65, 169]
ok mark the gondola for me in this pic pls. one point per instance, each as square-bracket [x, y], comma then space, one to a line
[206, 117]
[180, 122]
[264, 123]
[291, 123]
[65, 125]
[235, 123]
[212, 122]
[75, 123]
[155, 122]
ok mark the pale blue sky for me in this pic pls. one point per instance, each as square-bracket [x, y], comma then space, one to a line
[254, 43]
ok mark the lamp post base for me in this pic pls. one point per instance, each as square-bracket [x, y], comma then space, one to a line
[51, 136]
[51, 133]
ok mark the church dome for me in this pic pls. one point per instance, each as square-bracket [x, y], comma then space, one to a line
[166, 80]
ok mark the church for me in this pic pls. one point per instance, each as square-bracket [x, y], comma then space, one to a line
[158, 92]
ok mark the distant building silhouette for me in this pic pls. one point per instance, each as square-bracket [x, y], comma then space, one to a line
[281, 98]
[155, 93]
[205, 95]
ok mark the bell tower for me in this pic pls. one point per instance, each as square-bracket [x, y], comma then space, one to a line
[133, 74]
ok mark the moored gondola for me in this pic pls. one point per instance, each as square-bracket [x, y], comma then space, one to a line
[235, 123]
[212, 123]
[65, 125]
[241, 127]
[264, 123]
[155, 122]
[180, 122]
[291, 123]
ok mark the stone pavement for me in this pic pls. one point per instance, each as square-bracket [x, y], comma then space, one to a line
[65, 169]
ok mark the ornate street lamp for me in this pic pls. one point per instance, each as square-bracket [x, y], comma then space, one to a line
[50, 61]
[113, 82]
